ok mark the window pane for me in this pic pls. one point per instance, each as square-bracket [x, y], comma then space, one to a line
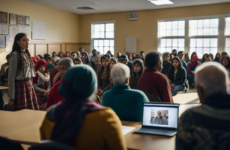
[110, 27]
[175, 43]
[97, 35]
[227, 30]
[169, 42]
[112, 43]
[109, 34]
[102, 27]
[181, 42]
[206, 42]
[100, 49]
[163, 25]
[96, 43]
[174, 32]
[167, 45]
[97, 27]
[181, 24]
[174, 25]
[203, 27]
[193, 43]
[163, 33]
[199, 43]
[168, 32]
[169, 25]
[111, 49]
[101, 43]
[171, 28]
[102, 34]
[214, 42]
[106, 42]
[163, 42]
[106, 49]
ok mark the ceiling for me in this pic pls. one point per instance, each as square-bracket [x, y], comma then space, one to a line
[105, 6]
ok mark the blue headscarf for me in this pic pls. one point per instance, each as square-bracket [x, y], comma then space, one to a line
[71, 112]
[87, 61]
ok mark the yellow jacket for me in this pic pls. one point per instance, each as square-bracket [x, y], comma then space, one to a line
[101, 130]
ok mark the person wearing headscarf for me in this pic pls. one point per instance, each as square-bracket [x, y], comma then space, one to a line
[54, 71]
[138, 69]
[4, 67]
[225, 61]
[103, 74]
[191, 68]
[177, 75]
[41, 83]
[77, 61]
[54, 96]
[21, 90]
[78, 121]
[85, 59]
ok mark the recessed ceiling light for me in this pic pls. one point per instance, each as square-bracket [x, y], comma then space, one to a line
[161, 2]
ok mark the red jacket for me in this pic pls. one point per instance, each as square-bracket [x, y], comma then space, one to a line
[155, 82]
[54, 96]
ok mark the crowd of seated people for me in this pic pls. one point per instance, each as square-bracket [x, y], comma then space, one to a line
[65, 83]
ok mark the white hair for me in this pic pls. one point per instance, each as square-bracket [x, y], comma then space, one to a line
[212, 77]
[119, 73]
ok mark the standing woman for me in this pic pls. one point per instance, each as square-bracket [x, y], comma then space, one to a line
[138, 69]
[21, 90]
[191, 68]
[186, 58]
[177, 76]
[217, 58]
[103, 74]
[85, 58]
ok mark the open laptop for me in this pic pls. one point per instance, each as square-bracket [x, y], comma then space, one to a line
[159, 119]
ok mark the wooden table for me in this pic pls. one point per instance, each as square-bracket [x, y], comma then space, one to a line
[3, 88]
[23, 127]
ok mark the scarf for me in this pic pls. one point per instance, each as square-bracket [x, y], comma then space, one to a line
[56, 77]
[194, 63]
[45, 77]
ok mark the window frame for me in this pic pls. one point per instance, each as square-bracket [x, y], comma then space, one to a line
[221, 37]
[92, 39]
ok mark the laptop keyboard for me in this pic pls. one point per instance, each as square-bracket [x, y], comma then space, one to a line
[155, 131]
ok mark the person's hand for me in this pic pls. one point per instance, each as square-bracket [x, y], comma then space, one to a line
[10, 104]
[172, 85]
[46, 94]
[101, 92]
[192, 72]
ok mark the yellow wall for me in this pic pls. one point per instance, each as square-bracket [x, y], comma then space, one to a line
[60, 26]
[145, 28]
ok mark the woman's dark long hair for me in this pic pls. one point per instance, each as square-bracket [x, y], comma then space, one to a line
[171, 70]
[192, 55]
[217, 58]
[53, 54]
[102, 69]
[203, 60]
[134, 77]
[17, 48]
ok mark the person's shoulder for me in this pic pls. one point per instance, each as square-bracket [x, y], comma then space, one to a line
[190, 114]
[55, 86]
[103, 114]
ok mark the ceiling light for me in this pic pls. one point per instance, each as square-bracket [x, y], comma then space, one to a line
[161, 2]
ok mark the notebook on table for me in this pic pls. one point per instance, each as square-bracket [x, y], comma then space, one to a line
[159, 119]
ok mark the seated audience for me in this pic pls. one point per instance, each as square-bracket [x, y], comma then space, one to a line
[109, 52]
[166, 63]
[225, 62]
[124, 60]
[73, 55]
[186, 58]
[138, 69]
[174, 52]
[152, 80]
[85, 58]
[41, 83]
[118, 55]
[54, 71]
[112, 62]
[79, 122]
[211, 56]
[93, 58]
[184, 64]
[217, 57]
[177, 76]
[204, 58]
[97, 62]
[54, 96]
[54, 57]
[208, 59]
[4, 67]
[50, 66]
[60, 55]
[78, 54]
[77, 61]
[67, 53]
[39, 57]
[206, 127]
[191, 68]
[103, 74]
[142, 54]
[224, 54]
[127, 103]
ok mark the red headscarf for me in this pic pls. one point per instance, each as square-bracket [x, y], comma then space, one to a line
[41, 62]
[65, 55]
[194, 63]
[34, 59]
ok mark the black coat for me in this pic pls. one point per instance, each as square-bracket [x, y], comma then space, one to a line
[180, 77]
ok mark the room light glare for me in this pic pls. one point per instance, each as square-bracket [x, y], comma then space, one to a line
[161, 2]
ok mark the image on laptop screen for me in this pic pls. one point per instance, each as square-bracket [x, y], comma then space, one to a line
[160, 115]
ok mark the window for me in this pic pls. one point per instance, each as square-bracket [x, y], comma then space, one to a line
[227, 48]
[203, 45]
[227, 29]
[171, 35]
[227, 34]
[102, 37]
[203, 27]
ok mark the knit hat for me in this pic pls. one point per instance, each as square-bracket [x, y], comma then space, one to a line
[106, 56]
[142, 52]
[124, 57]
[41, 62]
[47, 56]
[34, 59]
[73, 85]
[113, 59]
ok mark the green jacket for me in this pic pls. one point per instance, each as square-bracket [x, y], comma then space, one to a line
[126, 102]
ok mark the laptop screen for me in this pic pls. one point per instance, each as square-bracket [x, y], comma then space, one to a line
[160, 115]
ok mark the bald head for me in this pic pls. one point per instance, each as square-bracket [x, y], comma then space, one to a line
[211, 78]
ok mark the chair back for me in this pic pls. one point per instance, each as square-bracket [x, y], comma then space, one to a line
[152, 97]
[51, 145]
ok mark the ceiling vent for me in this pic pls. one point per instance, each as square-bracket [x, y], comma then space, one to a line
[133, 16]
[85, 8]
